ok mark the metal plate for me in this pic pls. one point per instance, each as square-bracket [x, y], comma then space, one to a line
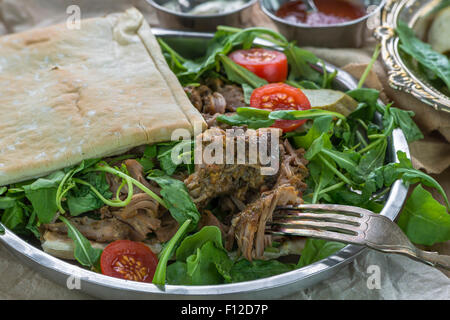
[401, 77]
[268, 288]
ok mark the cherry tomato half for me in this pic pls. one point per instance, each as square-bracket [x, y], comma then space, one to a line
[267, 64]
[280, 96]
[128, 260]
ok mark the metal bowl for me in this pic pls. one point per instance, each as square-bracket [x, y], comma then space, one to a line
[98, 285]
[182, 21]
[401, 77]
[351, 34]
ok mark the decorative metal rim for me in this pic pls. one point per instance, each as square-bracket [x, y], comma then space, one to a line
[93, 282]
[400, 77]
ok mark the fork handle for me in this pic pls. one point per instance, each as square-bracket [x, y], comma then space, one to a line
[434, 259]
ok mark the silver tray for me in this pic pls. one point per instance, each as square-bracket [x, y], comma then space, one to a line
[415, 14]
[102, 286]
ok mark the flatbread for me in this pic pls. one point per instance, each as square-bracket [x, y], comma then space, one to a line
[69, 95]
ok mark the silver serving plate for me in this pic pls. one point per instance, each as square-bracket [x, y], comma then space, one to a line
[102, 286]
[401, 77]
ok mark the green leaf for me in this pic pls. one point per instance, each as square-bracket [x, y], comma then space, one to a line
[178, 200]
[423, 53]
[367, 96]
[404, 120]
[177, 274]
[320, 125]
[240, 120]
[239, 74]
[7, 202]
[299, 61]
[373, 159]
[85, 254]
[82, 199]
[159, 277]
[317, 249]
[208, 265]
[245, 270]
[423, 219]
[318, 145]
[12, 217]
[42, 195]
[191, 243]
[303, 114]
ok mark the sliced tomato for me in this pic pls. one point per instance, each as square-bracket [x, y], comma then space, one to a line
[129, 260]
[267, 64]
[280, 96]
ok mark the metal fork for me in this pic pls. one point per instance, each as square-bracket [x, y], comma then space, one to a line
[352, 225]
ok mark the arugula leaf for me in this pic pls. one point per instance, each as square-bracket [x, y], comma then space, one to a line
[7, 202]
[239, 74]
[81, 199]
[299, 60]
[164, 156]
[159, 277]
[303, 114]
[42, 195]
[403, 119]
[209, 265]
[320, 125]
[318, 249]
[85, 254]
[178, 200]
[177, 274]
[369, 98]
[191, 243]
[252, 122]
[423, 219]
[12, 217]
[244, 270]
[423, 52]
[203, 258]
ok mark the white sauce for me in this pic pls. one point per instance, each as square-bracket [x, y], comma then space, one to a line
[209, 7]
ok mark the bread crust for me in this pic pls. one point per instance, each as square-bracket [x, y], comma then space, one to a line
[70, 95]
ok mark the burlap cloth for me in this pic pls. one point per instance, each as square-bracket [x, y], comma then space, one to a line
[401, 277]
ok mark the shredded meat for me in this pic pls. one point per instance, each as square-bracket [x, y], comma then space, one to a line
[212, 180]
[209, 219]
[106, 230]
[205, 100]
[233, 94]
[248, 227]
[216, 97]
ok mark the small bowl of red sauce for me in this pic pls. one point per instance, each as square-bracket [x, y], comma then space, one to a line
[333, 23]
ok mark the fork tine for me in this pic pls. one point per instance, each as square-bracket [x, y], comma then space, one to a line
[356, 221]
[330, 208]
[329, 226]
[320, 234]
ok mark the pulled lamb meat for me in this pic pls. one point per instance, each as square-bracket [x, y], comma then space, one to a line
[212, 180]
[141, 217]
[205, 100]
[248, 227]
[233, 94]
[216, 97]
[106, 230]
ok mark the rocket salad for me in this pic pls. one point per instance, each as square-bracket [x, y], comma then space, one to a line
[200, 216]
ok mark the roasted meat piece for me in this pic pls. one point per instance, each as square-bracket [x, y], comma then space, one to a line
[105, 230]
[248, 227]
[232, 173]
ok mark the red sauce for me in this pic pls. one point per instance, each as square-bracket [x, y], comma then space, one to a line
[329, 12]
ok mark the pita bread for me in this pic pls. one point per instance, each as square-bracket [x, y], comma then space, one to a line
[69, 95]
